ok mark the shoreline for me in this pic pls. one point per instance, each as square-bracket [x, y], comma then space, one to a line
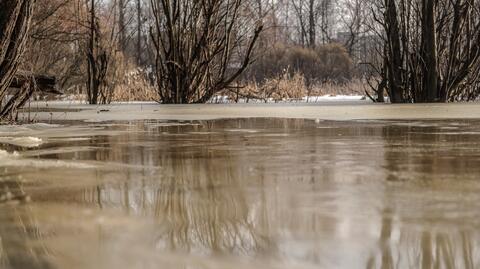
[332, 110]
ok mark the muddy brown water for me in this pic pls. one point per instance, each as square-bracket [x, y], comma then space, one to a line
[242, 193]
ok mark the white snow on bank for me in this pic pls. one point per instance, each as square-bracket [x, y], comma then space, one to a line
[223, 99]
[26, 142]
[305, 99]
[324, 98]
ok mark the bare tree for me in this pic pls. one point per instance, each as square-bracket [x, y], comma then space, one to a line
[432, 51]
[101, 48]
[353, 21]
[15, 17]
[313, 15]
[201, 47]
[122, 26]
[96, 58]
[139, 33]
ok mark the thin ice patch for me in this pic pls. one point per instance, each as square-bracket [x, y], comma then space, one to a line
[5, 155]
[14, 160]
[26, 142]
[242, 130]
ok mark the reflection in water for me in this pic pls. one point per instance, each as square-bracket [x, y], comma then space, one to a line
[17, 229]
[270, 193]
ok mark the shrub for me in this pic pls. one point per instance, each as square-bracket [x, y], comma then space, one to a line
[326, 63]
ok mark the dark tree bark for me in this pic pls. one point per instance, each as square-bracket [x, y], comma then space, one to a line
[121, 25]
[429, 53]
[15, 16]
[97, 60]
[93, 84]
[432, 50]
[20, 97]
[312, 21]
[393, 54]
[139, 33]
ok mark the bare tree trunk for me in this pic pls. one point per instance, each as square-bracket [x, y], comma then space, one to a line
[92, 83]
[97, 60]
[432, 50]
[326, 11]
[15, 18]
[429, 53]
[121, 25]
[393, 54]
[21, 96]
[139, 32]
[312, 23]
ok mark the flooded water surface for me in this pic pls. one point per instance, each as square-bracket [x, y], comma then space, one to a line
[241, 193]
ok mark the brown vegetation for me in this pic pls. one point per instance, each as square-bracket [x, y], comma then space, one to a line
[432, 51]
[326, 63]
[289, 88]
[187, 52]
[201, 47]
[133, 85]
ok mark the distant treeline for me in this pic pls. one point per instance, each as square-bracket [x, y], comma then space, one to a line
[188, 51]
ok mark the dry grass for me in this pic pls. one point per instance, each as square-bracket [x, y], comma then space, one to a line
[276, 89]
[290, 88]
[134, 87]
[353, 87]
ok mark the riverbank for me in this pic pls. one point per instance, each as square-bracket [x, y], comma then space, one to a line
[331, 110]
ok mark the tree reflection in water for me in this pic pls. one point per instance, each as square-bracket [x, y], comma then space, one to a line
[428, 236]
[18, 230]
[295, 192]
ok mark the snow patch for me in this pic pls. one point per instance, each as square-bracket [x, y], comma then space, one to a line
[222, 99]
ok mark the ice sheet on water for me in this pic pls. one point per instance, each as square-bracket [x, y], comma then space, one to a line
[270, 135]
[453, 133]
[14, 159]
[61, 150]
[171, 124]
[10, 130]
[23, 127]
[32, 135]
[26, 142]
[5, 155]
[242, 130]
[202, 133]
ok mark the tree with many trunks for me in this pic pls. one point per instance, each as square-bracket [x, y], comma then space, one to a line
[15, 16]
